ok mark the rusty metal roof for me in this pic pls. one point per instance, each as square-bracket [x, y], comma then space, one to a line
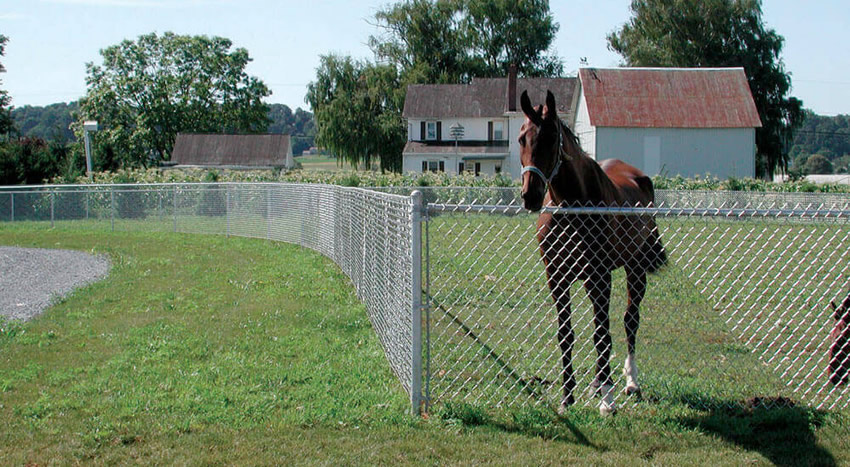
[232, 150]
[484, 97]
[669, 97]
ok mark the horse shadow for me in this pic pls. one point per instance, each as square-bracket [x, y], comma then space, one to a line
[775, 427]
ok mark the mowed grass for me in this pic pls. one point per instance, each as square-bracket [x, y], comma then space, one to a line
[210, 350]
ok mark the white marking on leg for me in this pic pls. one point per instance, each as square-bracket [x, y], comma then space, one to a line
[630, 371]
[607, 406]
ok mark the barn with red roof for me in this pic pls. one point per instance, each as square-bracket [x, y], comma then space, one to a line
[675, 121]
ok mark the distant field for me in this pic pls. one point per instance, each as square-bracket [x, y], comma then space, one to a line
[203, 349]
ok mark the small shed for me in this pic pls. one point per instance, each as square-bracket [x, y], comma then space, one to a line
[233, 151]
[676, 121]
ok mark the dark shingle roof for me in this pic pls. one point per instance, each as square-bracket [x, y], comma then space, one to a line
[486, 97]
[669, 97]
[232, 150]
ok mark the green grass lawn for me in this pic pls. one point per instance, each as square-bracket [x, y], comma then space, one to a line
[211, 350]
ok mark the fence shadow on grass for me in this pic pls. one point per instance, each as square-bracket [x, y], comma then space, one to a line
[775, 427]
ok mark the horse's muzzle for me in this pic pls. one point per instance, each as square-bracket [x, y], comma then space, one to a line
[532, 202]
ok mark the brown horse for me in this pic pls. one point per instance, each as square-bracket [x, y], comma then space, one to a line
[587, 247]
[839, 351]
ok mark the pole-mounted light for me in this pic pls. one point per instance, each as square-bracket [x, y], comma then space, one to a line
[89, 126]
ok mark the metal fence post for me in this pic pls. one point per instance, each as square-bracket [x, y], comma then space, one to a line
[52, 208]
[175, 208]
[87, 205]
[227, 210]
[112, 206]
[416, 398]
[12, 195]
[268, 213]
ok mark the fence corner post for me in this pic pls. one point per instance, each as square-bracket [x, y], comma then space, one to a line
[416, 398]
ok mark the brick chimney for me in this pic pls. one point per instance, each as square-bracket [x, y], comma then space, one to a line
[512, 88]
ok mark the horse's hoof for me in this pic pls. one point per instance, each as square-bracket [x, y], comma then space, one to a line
[565, 404]
[607, 410]
[633, 390]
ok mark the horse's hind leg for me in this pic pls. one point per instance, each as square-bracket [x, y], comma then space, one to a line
[599, 290]
[636, 284]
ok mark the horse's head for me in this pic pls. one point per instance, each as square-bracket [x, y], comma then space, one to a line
[540, 142]
[839, 352]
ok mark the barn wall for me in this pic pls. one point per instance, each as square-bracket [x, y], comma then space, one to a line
[683, 151]
[583, 129]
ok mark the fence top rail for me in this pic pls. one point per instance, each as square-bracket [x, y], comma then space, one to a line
[638, 211]
[141, 187]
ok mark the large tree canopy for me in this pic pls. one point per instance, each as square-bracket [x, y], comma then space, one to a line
[358, 104]
[719, 33]
[453, 41]
[148, 90]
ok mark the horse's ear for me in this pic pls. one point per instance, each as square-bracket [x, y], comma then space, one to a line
[551, 109]
[528, 109]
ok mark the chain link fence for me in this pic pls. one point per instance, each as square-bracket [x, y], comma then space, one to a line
[741, 310]
[372, 236]
[739, 315]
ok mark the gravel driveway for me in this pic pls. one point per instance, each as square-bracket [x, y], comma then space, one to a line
[33, 279]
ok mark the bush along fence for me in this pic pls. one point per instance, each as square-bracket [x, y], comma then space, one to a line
[750, 305]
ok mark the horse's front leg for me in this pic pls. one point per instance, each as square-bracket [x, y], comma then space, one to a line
[559, 285]
[599, 290]
[636, 284]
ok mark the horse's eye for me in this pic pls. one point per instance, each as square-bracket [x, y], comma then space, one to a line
[521, 141]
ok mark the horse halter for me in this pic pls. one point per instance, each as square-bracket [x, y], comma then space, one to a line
[561, 155]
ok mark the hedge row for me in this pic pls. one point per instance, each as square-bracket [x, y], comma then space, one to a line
[377, 179]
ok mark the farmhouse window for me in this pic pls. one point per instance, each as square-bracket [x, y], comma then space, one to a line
[460, 167]
[431, 131]
[498, 131]
[477, 169]
[433, 166]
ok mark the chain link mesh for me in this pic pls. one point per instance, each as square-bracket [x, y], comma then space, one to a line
[367, 233]
[739, 312]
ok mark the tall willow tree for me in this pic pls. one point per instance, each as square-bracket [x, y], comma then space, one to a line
[357, 107]
[719, 33]
[148, 90]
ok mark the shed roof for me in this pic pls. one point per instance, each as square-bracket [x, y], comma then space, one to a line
[669, 97]
[232, 150]
[484, 97]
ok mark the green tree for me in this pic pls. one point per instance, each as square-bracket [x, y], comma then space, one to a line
[7, 124]
[505, 32]
[148, 90]
[719, 33]
[357, 107]
[453, 41]
[818, 164]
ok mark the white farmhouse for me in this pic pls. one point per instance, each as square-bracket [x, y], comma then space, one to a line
[675, 121]
[473, 127]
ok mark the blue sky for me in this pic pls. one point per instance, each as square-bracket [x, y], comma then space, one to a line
[50, 41]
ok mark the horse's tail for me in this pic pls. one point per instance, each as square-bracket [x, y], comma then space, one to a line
[654, 254]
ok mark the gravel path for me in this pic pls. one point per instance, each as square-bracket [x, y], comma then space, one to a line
[33, 279]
